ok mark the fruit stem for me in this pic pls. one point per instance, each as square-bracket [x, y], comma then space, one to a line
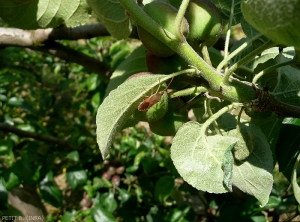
[210, 113]
[189, 91]
[237, 51]
[215, 116]
[179, 18]
[269, 69]
[241, 92]
[245, 59]
[205, 53]
[226, 49]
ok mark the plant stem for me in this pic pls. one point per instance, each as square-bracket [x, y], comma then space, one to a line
[179, 18]
[210, 113]
[205, 53]
[271, 68]
[238, 50]
[226, 49]
[215, 116]
[245, 59]
[237, 92]
[189, 91]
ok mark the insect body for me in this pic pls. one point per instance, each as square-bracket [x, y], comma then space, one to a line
[153, 99]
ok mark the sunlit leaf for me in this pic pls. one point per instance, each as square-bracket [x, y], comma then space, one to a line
[196, 161]
[35, 14]
[49, 191]
[120, 105]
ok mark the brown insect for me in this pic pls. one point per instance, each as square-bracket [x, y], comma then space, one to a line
[153, 99]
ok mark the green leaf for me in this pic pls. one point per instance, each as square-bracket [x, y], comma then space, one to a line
[134, 63]
[120, 105]
[288, 87]
[227, 166]
[93, 81]
[254, 174]
[74, 155]
[100, 214]
[108, 201]
[278, 20]
[199, 159]
[124, 194]
[248, 29]
[26, 127]
[225, 8]
[36, 14]
[3, 196]
[287, 147]
[26, 171]
[11, 179]
[113, 16]
[14, 101]
[295, 185]
[49, 191]
[163, 188]
[76, 176]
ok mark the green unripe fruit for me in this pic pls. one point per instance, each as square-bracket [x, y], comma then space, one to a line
[277, 19]
[167, 65]
[205, 22]
[156, 112]
[163, 14]
[169, 124]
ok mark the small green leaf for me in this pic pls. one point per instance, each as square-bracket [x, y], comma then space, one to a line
[120, 105]
[14, 101]
[74, 155]
[225, 8]
[44, 13]
[134, 63]
[49, 191]
[163, 188]
[26, 171]
[124, 194]
[3, 196]
[295, 185]
[113, 16]
[197, 160]
[288, 87]
[11, 179]
[103, 215]
[76, 176]
[93, 81]
[227, 166]
[108, 201]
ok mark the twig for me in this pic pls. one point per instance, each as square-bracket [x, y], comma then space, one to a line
[48, 139]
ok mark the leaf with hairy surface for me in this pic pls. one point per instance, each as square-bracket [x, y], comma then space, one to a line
[113, 16]
[35, 14]
[120, 104]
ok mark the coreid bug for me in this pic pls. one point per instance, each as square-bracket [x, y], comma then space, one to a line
[153, 99]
